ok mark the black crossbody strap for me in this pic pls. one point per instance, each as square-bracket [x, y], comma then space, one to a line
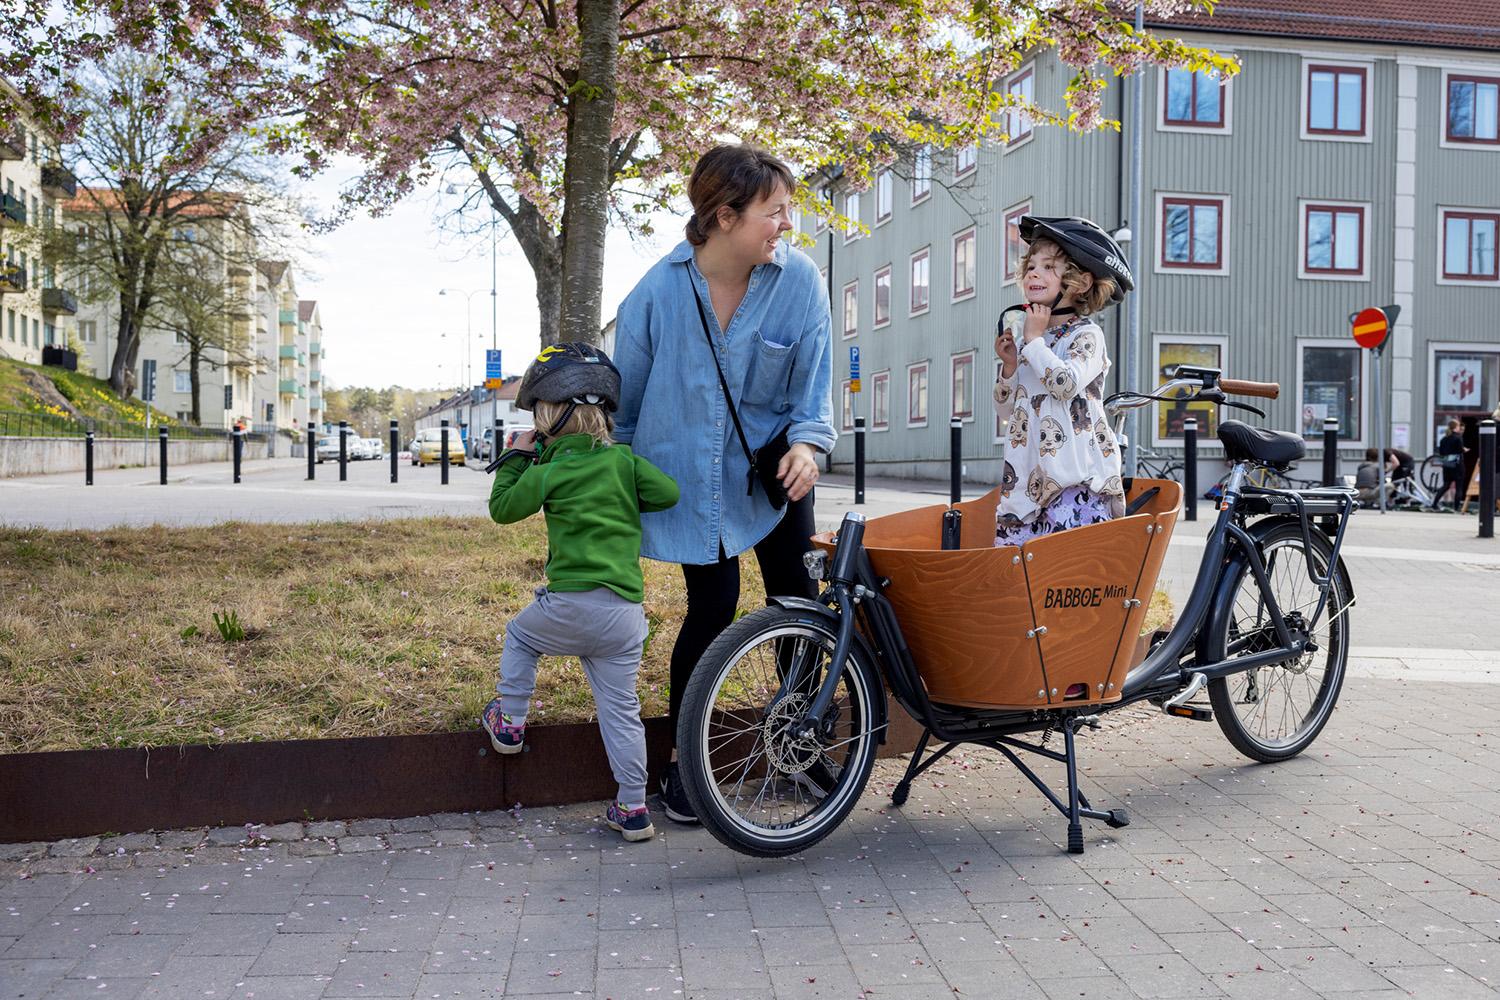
[724, 384]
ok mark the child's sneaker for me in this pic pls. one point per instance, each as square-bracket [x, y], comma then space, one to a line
[633, 824]
[504, 737]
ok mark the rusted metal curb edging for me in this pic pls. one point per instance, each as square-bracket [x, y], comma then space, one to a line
[77, 793]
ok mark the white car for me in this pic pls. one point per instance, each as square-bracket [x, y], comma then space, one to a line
[328, 448]
[375, 447]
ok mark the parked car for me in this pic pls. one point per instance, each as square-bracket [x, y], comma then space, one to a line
[411, 451]
[328, 448]
[359, 448]
[427, 448]
[376, 448]
[482, 450]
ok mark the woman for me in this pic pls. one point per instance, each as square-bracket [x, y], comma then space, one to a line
[734, 281]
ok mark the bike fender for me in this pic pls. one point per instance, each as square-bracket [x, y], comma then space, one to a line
[831, 617]
[1223, 602]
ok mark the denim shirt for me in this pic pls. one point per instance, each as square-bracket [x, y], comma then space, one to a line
[777, 359]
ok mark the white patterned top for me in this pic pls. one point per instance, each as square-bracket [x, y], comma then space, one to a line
[1059, 436]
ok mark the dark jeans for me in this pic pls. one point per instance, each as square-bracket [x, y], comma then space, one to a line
[713, 592]
[1451, 481]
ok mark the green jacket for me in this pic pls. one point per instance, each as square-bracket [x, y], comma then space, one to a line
[593, 496]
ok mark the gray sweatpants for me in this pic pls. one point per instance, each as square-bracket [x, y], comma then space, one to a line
[606, 632]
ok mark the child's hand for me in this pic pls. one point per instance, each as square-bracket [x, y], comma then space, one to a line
[1005, 350]
[525, 441]
[1037, 318]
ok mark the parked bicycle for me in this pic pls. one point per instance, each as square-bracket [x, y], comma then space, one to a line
[982, 645]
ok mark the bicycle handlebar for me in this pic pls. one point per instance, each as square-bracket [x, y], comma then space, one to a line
[1239, 387]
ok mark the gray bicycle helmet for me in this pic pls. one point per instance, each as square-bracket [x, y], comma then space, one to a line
[574, 372]
[1094, 250]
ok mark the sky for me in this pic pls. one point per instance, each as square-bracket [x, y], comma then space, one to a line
[376, 281]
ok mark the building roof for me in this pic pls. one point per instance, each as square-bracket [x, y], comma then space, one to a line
[1461, 24]
[89, 200]
[273, 269]
[306, 308]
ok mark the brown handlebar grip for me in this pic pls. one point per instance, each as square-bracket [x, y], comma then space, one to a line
[1238, 387]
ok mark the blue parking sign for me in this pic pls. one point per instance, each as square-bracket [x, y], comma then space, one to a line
[492, 364]
[853, 362]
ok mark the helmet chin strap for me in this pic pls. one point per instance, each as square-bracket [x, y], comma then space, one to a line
[1065, 310]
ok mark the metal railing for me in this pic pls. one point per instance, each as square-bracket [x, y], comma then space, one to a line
[19, 423]
[58, 181]
[13, 208]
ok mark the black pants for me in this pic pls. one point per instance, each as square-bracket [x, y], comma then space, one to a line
[1451, 481]
[713, 592]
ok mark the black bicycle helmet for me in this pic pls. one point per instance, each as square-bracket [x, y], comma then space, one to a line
[574, 372]
[1091, 247]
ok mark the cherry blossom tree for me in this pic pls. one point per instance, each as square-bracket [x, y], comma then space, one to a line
[571, 114]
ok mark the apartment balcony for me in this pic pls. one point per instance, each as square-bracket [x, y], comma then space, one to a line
[12, 277]
[286, 351]
[58, 181]
[301, 392]
[288, 317]
[59, 300]
[13, 146]
[315, 347]
[315, 402]
[288, 387]
[12, 210]
[314, 377]
[301, 360]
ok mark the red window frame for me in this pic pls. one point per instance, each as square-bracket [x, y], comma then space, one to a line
[1013, 217]
[879, 273]
[972, 236]
[1448, 135]
[955, 362]
[958, 156]
[1364, 98]
[1014, 114]
[1190, 122]
[1443, 237]
[846, 406]
[925, 367]
[1190, 265]
[876, 411]
[1333, 253]
[911, 298]
[888, 181]
[850, 330]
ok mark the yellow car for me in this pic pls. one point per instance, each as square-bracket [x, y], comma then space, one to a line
[427, 449]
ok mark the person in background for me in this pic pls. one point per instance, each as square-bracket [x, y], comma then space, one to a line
[1367, 478]
[1451, 453]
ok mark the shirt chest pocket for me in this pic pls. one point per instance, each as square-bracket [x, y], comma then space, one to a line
[769, 377]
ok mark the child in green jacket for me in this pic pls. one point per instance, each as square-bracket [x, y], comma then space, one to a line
[592, 492]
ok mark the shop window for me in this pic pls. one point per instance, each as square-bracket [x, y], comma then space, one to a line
[1332, 385]
[1206, 352]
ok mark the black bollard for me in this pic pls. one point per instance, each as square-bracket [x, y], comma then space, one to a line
[312, 451]
[395, 446]
[343, 450]
[1487, 479]
[161, 437]
[497, 440]
[955, 460]
[1190, 468]
[239, 450]
[1330, 451]
[444, 445]
[859, 460]
[88, 458]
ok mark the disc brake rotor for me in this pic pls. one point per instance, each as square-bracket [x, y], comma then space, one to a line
[788, 752]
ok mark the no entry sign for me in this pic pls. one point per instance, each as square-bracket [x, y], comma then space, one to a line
[1371, 327]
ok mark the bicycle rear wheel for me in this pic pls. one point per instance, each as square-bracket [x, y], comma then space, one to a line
[1275, 712]
[1431, 473]
[756, 784]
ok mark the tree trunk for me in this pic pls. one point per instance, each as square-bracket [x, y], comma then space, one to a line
[549, 294]
[195, 354]
[586, 175]
[122, 365]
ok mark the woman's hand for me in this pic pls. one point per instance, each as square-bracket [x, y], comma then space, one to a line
[1005, 350]
[798, 470]
[1037, 317]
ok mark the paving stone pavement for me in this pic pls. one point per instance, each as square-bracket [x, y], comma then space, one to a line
[1367, 868]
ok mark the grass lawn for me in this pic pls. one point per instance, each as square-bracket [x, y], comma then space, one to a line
[352, 629]
[91, 396]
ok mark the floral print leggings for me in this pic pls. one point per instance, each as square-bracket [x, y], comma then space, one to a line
[1074, 507]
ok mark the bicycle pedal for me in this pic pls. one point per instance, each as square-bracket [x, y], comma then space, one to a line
[1198, 713]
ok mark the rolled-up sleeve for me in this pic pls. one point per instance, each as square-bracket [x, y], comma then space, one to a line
[811, 387]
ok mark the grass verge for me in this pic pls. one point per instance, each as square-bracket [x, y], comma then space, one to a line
[351, 629]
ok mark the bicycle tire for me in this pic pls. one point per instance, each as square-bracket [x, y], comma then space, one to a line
[1242, 694]
[710, 700]
[1430, 474]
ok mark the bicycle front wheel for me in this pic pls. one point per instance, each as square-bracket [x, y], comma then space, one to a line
[759, 784]
[1431, 474]
[1275, 712]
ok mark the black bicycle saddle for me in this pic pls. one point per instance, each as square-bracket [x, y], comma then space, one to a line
[1276, 448]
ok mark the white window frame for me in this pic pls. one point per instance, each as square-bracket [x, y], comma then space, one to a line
[1302, 108]
[963, 154]
[1158, 234]
[876, 379]
[1316, 443]
[182, 381]
[912, 281]
[851, 201]
[926, 367]
[954, 294]
[1157, 339]
[953, 361]
[1303, 273]
[1012, 114]
[921, 171]
[1443, 140]
[1226, 103]
[844, 310]
[846, 407]
[890, 291]
[885, 191]
[1019, 208]
[1442, 247]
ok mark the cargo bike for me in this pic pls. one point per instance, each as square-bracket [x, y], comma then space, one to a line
[1002, 647]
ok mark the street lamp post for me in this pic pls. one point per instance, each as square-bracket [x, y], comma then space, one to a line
[1121, 236]
[468, 316]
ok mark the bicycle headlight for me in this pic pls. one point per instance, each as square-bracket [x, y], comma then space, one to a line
[816, 562]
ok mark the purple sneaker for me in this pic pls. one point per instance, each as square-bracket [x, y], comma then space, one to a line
[633, 824]
[504, 737]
